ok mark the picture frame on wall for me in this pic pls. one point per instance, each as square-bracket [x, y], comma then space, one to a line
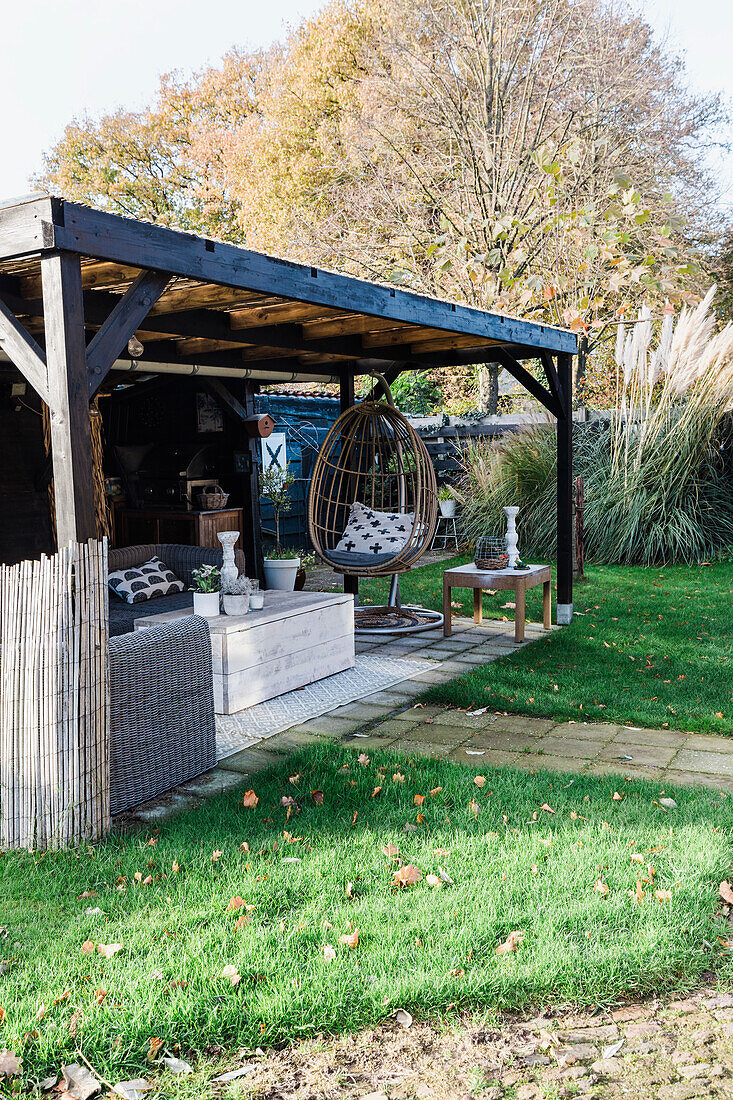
[209, 415]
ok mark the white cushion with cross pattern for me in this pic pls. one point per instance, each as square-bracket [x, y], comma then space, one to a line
[371, 532]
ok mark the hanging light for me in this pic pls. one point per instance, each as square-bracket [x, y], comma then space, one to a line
[134, 347]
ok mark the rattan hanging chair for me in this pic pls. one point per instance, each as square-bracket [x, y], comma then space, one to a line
[372, 459]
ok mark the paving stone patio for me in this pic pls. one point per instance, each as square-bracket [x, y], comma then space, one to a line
[392, 719]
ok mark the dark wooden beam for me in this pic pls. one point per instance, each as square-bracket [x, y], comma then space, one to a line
[68, 397]
[252, 535]
[23, 351]
[222, 393]
[500, 355]
[121, 323]
[553, 381]
[347, 399]
[26, 226]
[121, 240]
[565, 493]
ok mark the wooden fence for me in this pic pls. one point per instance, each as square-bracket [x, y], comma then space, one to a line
[54, 715]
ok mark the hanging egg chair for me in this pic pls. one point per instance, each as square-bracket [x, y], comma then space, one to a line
[373, 506]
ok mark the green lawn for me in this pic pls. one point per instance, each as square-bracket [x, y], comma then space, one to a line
[515, 865]
[647, 647]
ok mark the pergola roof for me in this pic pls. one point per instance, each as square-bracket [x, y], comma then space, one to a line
[203, 303]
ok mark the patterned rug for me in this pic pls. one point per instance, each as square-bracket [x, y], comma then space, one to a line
[370, 673]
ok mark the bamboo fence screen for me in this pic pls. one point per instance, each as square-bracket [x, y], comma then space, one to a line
[54, 713]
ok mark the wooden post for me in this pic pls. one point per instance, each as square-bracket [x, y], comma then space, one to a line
[68, 397]
[565, 492]
[347, 398]
[252, 535]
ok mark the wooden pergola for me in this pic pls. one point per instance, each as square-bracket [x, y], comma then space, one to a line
[76, 284]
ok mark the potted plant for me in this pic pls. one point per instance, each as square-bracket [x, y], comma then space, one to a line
[235, 595]
[281, 566]
[205, 588]
[447, 501]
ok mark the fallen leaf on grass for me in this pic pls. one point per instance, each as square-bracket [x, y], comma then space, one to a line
[398, 777]
[403, 1018]
[456, 972]
[317, 797]
[668, 803]
[376, 791]
[329, 953]
[546, 808]
[240, 922]
[134, 1089]
[474, 807]
[614, 1048]
[154, 1046]
[726, 892]
[238, 903]
[390, 850]
[637, 857]
[435, 790]
[511, 943]
[177, 1065]
[433, 880]
[350, 939]
[100, 996]
[479, 780]
[231, 973]
[87, 948]
[363, 759]
[107, 950]
[233, 1074]
[79, 1082]
[249, 800]
[601, 888]
[9, 1064]
[406, 876]
[215, 856]
[617, 797]
[663, 895]
[418, 799]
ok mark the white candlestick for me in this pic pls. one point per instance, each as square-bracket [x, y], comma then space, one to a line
[511, 535]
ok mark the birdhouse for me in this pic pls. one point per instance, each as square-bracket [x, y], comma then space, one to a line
[259, 426]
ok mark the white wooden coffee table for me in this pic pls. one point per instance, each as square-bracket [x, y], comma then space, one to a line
[297, 638]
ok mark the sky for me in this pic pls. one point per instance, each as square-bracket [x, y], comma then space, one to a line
[66, 59]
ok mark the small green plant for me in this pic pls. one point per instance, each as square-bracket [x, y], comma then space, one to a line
[446, 493]
[242, 586]
[207, 578]
[275, 486]
[283, 553]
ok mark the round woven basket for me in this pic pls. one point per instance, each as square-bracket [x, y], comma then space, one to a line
[490, 553]
[213, 497]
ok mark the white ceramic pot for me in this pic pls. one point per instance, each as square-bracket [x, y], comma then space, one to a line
[280, 573]
[447, 508]
[235, 605]
[206, 604]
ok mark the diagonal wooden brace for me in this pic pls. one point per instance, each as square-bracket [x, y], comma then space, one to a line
[23, 351]
[121, 324]
[550, 402]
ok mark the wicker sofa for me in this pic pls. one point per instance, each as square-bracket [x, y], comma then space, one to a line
[162, 729]
[182, 560]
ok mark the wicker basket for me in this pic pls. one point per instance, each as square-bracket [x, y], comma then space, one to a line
[490, 553]
[213, 497]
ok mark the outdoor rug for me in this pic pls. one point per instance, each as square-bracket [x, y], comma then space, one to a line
[370, 674]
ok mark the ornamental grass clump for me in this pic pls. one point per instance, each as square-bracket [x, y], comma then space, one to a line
[656, 485]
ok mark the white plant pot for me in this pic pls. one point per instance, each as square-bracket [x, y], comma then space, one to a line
[206, 604]
[235, 605]
[280, 573]
[447, 508]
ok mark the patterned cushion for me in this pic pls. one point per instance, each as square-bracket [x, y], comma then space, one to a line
[144, 582]
[375, 533]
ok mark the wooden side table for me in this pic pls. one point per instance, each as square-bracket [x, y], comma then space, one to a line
[514, 580]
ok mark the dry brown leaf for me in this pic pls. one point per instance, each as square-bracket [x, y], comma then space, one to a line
[350, 939]
[406, 876]
[456, 972]
[175, 867]
[435, 790]
[376, 791]
[433, 880]
[317, 797]
[216, 855]
[40, 1015]
[390, 850]
[231, 973]
[148, 880]
[329, 953]
[2, 1015]
[474, 807]
[420, 819]
[109, 949]
[240, 922]
[479, 780]
[639, 893]
[601, 888]
[511, 943]
[637, 857]
[363, 759]
[617, 797]
[153, 1047]
[9, 1064]
[663, 895]
[234, 904]
[546, 808]
[726, 892]
[350, 890]
[418, 799]
[398, 777]
[294, 779]
[87, 948]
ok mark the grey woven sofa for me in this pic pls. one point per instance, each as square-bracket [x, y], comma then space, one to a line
[181, 559]
[162, 728]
